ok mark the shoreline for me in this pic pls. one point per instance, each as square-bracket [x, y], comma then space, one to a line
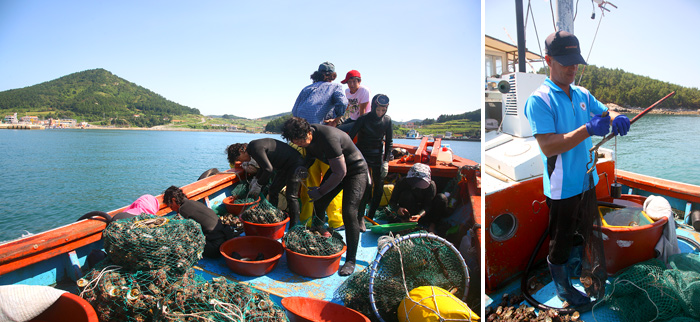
[662, 111]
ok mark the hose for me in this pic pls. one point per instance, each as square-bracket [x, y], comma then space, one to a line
[531, 300]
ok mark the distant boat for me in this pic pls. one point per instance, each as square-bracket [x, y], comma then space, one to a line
[413, 134]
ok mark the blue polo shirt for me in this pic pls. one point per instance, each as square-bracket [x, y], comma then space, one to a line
[550, 110]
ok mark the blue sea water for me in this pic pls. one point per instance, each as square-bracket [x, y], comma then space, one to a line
[52, 177]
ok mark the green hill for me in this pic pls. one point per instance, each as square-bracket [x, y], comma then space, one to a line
[632, 90]
[96, 96]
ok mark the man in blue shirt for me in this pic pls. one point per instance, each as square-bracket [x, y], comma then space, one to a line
[563, 117]
[322, 102]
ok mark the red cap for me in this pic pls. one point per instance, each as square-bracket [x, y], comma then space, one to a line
[351, 74]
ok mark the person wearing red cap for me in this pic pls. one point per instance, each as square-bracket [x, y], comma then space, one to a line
[358, 99]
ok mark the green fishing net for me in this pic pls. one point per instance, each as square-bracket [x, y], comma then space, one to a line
[300, 239]
[263, 213]
[388, 214]
[147, 242]
[240, 194]
[650, 291]
[419, 260]
[119, 294]
[220, 300]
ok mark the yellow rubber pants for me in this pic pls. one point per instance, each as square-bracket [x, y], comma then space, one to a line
[334, 210]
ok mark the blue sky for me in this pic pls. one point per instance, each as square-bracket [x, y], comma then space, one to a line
[644, 37]
[251, 58]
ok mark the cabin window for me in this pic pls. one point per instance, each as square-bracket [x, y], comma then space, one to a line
[493, 65]
[503, 227]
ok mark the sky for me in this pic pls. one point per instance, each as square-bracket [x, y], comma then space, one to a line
[650, 38]
[252, 58]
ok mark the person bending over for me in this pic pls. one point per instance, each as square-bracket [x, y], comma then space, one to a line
[348, 171]
[416, 199]
[214, 231]
[374, 139]
[269, 155]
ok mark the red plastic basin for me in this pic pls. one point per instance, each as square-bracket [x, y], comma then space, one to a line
[306, 309]
[238, 208]
[313, 266]
[68, 307]
[250, 247]
[274, 231]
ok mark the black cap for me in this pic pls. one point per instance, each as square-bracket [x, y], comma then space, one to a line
[564, 48]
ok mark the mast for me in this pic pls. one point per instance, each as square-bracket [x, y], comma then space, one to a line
[564, 15]
[520, 26]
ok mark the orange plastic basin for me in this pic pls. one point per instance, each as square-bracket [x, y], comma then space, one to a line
[68, 307]
[627, 245]
[237, 208]
[250, 247]
[306, 309]
[313, 266]
[274, 231]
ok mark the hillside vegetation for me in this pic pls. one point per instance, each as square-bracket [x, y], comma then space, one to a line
[631, 90]
[96, 96]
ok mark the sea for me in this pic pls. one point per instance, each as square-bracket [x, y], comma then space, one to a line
[49, 178]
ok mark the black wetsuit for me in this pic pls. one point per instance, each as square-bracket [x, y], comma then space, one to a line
[214, 231]
[330, 143]
[416, 200]
[276, 155]
[372, 133]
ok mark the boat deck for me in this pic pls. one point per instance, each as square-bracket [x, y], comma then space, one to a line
[281, 282]
[547, 292]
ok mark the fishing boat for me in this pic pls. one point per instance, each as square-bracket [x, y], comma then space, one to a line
[516, 219]
[57, 258]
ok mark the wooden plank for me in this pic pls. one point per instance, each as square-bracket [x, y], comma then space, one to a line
[421, 148]
[436, 150]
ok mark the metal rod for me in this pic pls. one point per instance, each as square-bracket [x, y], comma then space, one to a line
[611, 135]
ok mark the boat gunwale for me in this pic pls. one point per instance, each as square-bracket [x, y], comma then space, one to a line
[22, 252]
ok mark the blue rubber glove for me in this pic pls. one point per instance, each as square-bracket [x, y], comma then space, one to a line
[598, 125]
[621, 124]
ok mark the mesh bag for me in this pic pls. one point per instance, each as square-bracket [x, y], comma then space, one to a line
[121, 295]
[388, 214]
[240, 191]
[220, 300]
[263, 213]
[148, 242]
[300, 239]
[649, 291]
[403, 264]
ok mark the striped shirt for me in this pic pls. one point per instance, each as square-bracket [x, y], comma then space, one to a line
[320, 101]
[550, 110]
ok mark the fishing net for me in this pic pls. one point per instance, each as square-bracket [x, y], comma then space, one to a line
[220, 300]
[388, 214]
[401, 265]
[147, 242]
[648, 291]
[118, 294]
[302, 240]
[263, 213]
[240, 194]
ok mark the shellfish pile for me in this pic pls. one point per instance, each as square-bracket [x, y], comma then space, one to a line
[264, 213]
[301, 240]
[148, 242]
[220, 300]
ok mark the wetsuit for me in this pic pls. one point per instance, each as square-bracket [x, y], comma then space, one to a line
[330, 144]
[214, 231]
[276, 155]
[372, 132]
[416, 200]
